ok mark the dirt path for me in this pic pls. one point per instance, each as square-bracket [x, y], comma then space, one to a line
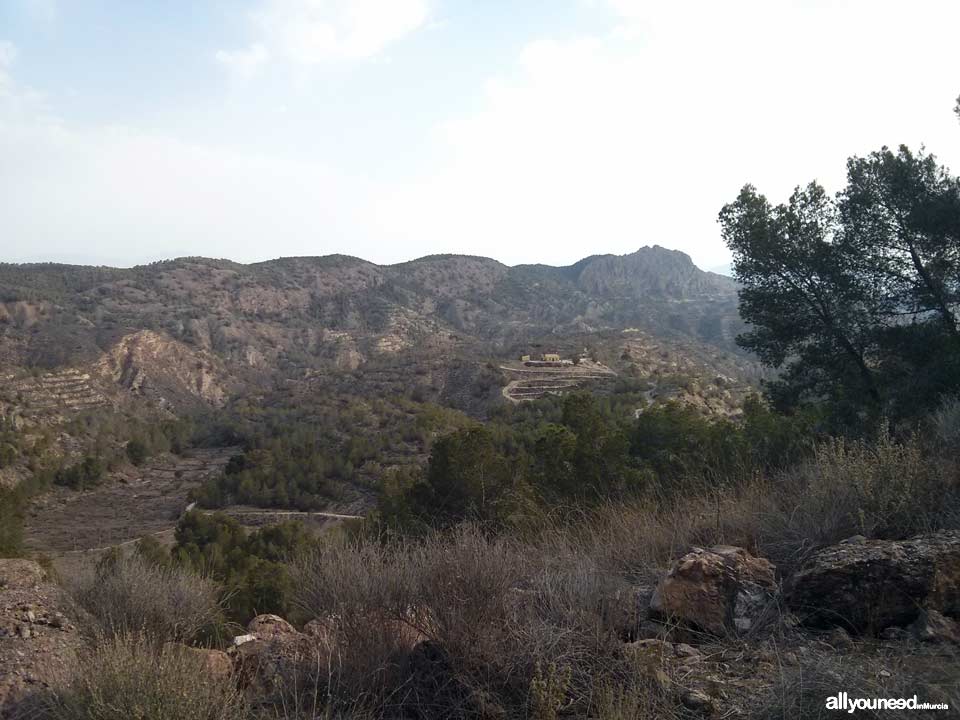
[649, 398]
[288, 513]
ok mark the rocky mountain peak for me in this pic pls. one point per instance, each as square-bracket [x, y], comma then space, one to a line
[650, 272]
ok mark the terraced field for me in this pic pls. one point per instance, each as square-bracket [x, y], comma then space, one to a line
[530, 383]
[55, 393]
[126, 508]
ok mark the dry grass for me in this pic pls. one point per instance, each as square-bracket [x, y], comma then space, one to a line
[465, 625]
[880, 489]
[800, 693]
[131, 596]
[531, 625]
[946, 425]
[130, 677]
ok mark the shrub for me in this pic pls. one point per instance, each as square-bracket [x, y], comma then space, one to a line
[880, 489]
[137, 451]
[129, 677]
[81, 476]
[11, 523]
[8, 453]
[460, 625]
[130, 595]
[364, 589]
[946, 424]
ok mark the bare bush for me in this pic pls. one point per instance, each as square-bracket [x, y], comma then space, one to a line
[946, 424]
[462, 624]
[131, 677]
[130, 596]
[360, 593]
[881, 489]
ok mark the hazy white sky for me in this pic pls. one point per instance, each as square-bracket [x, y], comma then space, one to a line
[528, 131]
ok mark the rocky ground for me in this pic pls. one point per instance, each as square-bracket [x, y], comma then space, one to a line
[39, 639]
[720, 635]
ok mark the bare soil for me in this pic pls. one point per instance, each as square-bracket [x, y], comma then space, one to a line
[131, 504]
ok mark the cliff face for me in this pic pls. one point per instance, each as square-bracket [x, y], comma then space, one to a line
[651, 272]
[151, 364]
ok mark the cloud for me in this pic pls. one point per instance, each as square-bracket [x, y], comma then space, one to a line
[130, 196]
[43, 10]
[310, 32]
[639, 135]
[17, 102]
[8, 54]
[244, 64]
[123, 195]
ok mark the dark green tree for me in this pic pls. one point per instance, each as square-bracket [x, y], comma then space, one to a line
[808, 308]
[252, 568]
[137, 451]
[81, 476]
[469, 477]
[855, 298]
[555, 461]
[601, 467]
[901, 218]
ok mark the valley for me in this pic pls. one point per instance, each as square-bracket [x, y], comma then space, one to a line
[323, 438]
[379, 360]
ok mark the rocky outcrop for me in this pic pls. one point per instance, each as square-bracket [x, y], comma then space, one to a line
[650, 272]
[723, 590]
[871, 585]
[150, 364]
[270, 627]
[38, 634]
[933, 627]
[269, 654]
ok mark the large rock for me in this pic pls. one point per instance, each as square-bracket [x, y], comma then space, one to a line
[267, 627]
[722, 590]
[872, 585]
[270, 655]
[932, 627]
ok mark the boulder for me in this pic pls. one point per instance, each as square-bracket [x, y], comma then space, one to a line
[722, 590]
[932, 627]
[270, 655]
[269, 627]
[869, 586]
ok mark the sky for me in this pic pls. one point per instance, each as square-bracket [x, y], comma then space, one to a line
[523, 130]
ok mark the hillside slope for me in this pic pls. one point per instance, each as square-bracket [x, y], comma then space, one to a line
[338, 311]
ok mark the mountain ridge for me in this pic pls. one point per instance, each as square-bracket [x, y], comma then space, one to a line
[307, 307]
